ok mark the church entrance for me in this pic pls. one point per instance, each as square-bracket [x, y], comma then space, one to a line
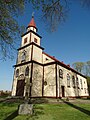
[20, 87]
[63, 91]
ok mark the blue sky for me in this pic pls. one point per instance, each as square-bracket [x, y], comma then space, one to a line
[69, 43]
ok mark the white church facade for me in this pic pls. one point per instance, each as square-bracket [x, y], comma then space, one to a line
[37, 74]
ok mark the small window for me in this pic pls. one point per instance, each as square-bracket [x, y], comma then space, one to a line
[27, 71]
[17, 72]
[73, 81]
[46, 58]
[35, 40]
[68, 80]
[23, 56]
[25, 40]
[61, 73]
[45, 83]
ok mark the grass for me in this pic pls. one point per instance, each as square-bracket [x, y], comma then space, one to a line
[59, 111]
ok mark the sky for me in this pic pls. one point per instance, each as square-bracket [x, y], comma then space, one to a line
[69, 43]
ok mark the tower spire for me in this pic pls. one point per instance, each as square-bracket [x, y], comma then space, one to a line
[32, 24]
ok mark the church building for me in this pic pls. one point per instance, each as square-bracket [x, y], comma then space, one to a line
[38, 74]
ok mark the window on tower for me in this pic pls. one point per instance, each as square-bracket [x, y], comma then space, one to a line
[27, 71]
[35, 40]
[17, 72]
[25, 40]
[23, 59]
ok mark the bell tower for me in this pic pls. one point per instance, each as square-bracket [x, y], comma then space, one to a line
[30, 45]
[29, 54]
[31, 34]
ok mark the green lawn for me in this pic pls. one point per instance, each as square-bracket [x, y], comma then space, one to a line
[60, 111]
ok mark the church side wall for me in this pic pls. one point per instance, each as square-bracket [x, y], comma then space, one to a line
[68, 91]
[50, 81]
[60, 81]
[71, 91]
[83, 88]
[37, 77]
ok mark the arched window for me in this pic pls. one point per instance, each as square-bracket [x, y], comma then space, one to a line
[68, 80]
[27, 71]
[73, 81]
[77, 82]
[60, 73]
[23, 56]
[68, 76]
[17, 72]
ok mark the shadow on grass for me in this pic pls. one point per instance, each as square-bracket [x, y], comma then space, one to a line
[11, 100]
[77, 107]
[38, 110]
[39, 101]
[12, 116]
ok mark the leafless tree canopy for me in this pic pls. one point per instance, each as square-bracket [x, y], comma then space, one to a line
[82, 67]
[53, 13]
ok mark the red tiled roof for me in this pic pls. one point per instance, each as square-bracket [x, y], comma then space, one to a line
[64, 65]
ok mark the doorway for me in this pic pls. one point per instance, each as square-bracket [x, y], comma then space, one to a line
[63, 91]
[20, 87]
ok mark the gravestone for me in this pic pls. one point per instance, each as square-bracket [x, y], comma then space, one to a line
[25, 109]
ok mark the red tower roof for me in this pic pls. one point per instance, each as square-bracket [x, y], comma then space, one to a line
[32, 23]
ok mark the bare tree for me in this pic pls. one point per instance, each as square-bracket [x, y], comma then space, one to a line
[87, 68]
[78, 66]
[53, 13]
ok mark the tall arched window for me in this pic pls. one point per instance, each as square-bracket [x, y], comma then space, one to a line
[23, 56]
[77, 82]
[17, 72]
[27, 71]
[81, 84]
[68, 80]
[60, 73]
[73, 81]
